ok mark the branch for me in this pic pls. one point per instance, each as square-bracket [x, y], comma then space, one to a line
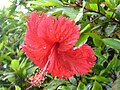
[89, 10]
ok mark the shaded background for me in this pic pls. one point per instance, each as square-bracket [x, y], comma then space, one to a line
[100, 28]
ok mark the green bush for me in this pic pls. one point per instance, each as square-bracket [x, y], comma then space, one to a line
[100, 28]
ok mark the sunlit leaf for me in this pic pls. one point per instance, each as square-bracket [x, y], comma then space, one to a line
[83, 39]
[97, 86]
[93, 6]
[1, 45]
[80, 13]
[100, 79]
[112, 42]
[15, 64]
[8, 76]
[63, 88]
[17, 87]
[65, 10]
[46, 2]
[81, 86]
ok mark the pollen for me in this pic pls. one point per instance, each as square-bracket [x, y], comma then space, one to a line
[37, 79]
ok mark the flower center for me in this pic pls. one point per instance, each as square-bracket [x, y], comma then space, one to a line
[57, 44]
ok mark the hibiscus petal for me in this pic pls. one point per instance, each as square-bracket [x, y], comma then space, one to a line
[61, 30]
[31, 36]
[75, 61]
[34, 46]
[39, 55]
[68, 33]
[49, 43]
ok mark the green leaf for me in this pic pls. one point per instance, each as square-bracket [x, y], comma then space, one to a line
[96, 27]
[94, 35]
[110, 14]
[55, 83]
[86, 28]
[51, 3]
[9, 49]
[80, 13]
[46, 3]
[65, 10]
[17, 87]
[118, 7]
[97, 42]
[93, 1]
[15, 64]
[8, 76]
[98, 53]
[81, 86]
[110, 65]
[72, 87]
[12, 79]
[117, 66]
[97, 68]
[117, 14]
[100, 79]
[22, 64]
[69, 12]
[94, 7]
[83, 38]
[1, 45]
[24, 72]
[96, 86]
[112, 3]
[63, 88]
[112, 42]
[73, 81]
[4, 88]
[89, 86]
[32, 69]
[116, 84]
[110, 29]
[96, 39]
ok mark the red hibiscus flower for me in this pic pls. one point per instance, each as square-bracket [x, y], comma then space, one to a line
[49, 42]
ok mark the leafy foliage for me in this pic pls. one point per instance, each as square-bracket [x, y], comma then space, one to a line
[100, 28]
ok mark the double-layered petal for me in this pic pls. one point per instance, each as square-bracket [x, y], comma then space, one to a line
[49, 42]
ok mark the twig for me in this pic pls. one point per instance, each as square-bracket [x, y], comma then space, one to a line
[89, 10]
